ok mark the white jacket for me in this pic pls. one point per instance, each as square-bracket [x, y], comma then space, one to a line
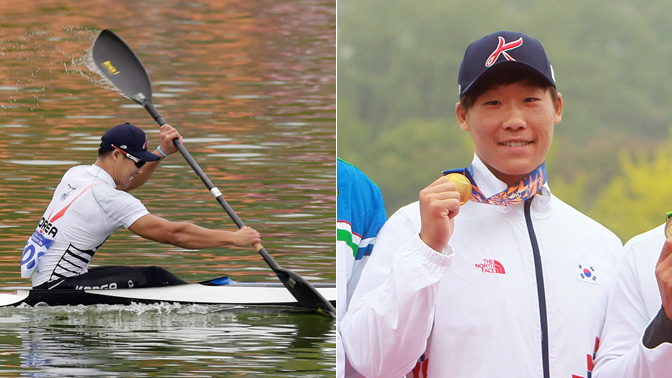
[474, 309]
[634, 302]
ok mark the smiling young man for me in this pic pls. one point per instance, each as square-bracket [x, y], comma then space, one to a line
[92, 202]
[516, 284]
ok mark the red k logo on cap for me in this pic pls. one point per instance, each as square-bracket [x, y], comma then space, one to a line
[144, 146]
[502, 49]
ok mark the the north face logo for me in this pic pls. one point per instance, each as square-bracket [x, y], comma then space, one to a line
[491, 266]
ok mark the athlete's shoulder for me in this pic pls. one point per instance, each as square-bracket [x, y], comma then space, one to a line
[75, 171]
[652, 239]
[349, 172]
[572, 214]
[105, 194]
[355, 186]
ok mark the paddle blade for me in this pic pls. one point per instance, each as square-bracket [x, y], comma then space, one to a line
[304, 292]
[119, 64]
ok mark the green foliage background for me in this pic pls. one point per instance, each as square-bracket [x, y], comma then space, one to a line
[397, 70]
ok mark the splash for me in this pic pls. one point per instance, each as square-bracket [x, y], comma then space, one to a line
[162, 308]
[40, 62]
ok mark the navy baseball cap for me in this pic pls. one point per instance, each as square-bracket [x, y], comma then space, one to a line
[502, 49]
[129, 138]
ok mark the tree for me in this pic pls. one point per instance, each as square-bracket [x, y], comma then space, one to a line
[637, 199]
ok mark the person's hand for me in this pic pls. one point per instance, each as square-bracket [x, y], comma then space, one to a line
[246, 236]
[166, 136]
[439, 204]
[664, 277]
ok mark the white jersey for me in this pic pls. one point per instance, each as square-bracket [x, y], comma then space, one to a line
[633, 304]
[480, 308]
[85, 210]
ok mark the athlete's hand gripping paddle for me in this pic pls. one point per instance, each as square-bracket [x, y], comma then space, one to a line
[119, 64]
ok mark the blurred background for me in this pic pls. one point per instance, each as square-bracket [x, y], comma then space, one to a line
[398, 62]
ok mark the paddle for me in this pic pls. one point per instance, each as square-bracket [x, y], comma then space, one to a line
[119, 64]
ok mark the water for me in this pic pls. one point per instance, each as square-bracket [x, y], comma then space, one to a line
[251, 87]
[165, 340]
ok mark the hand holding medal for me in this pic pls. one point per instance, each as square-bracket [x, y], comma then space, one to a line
[463, 186]
[664, 269]
[438, 208]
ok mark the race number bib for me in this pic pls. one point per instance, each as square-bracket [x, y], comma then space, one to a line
[36, 247]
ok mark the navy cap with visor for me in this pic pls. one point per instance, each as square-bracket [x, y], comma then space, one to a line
[502, 49]
[130, 139]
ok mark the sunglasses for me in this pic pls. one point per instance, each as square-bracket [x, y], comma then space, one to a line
[138, 163]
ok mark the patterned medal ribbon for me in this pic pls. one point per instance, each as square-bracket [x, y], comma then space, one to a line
[513, 195]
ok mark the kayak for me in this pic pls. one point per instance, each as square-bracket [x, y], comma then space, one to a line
[220, 291]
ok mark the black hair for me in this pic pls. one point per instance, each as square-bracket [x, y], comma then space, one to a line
[102, 152]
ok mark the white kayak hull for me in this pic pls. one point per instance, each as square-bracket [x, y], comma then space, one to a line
[235, 293]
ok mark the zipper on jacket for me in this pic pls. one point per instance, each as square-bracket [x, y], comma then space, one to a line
[541, 292]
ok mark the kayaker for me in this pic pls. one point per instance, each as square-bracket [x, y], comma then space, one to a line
[93, 201]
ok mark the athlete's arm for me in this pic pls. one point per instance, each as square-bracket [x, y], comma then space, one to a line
[166, 136]
[664, 277]
[390, 316]
[190, 236]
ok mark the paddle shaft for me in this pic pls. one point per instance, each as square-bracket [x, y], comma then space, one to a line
[208, 184]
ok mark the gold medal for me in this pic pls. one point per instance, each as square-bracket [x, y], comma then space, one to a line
[463, 186]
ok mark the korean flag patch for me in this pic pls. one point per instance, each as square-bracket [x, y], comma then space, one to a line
[586, 273]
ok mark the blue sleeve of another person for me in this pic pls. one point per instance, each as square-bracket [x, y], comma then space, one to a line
[359, 205]
[360, 213]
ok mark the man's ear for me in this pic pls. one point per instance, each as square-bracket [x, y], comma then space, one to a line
[558, 109]
[461, 114]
